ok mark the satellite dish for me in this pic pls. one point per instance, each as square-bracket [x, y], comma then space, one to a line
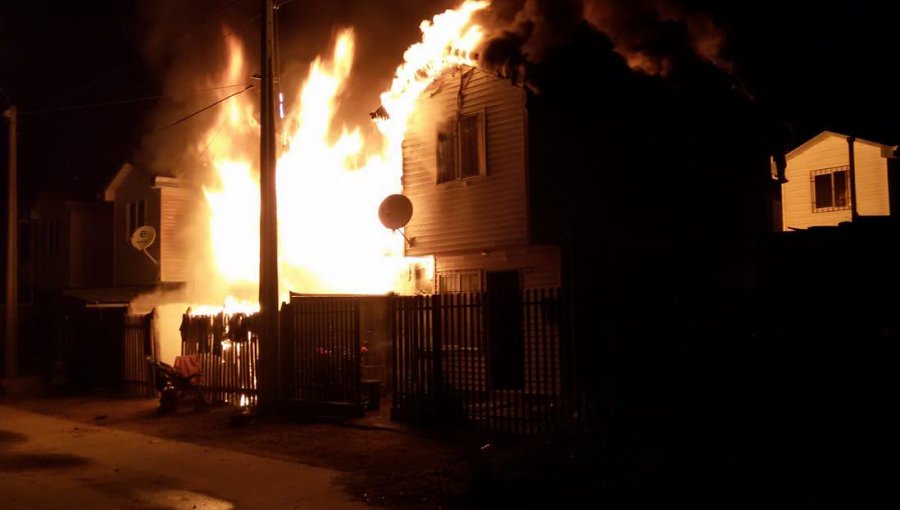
[395, 211]
[143, 237]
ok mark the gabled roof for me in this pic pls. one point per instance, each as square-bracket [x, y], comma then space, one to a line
[109, 194]
[887, 151]
[159, 181]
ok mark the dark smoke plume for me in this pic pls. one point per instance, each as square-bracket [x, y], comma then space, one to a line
[653, 36]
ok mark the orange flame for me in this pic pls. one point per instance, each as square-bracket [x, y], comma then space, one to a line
[330, 238]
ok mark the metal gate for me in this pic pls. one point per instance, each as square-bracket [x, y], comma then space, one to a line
[498, 363]
[321, 338]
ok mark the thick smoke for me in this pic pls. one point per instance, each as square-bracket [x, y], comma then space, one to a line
[653, 36]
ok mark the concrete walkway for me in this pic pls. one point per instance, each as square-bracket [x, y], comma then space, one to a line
[48, 463]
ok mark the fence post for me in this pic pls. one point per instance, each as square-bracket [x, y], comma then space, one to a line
[288, 340]
[437, 399]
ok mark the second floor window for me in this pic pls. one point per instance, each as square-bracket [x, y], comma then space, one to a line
[135, 216]
[461, 148]
[831, 189]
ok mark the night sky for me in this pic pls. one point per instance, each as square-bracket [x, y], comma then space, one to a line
[811, 65]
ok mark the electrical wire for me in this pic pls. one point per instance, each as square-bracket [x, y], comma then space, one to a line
[117, 102]
[198, 112]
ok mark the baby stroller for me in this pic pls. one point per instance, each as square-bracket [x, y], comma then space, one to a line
[175, 386]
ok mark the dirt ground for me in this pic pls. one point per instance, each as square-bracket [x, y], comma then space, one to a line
[385, 464]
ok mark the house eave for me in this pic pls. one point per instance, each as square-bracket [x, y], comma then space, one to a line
[887, 151]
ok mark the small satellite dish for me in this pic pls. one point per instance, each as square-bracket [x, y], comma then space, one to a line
[143, 237]
[395, 211]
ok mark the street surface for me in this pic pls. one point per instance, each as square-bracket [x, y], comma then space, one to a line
[49, 463]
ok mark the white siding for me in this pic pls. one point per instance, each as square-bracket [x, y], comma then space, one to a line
[482, 212]
[872, 196]
[539, 265]
[830, 152]
[174, 241]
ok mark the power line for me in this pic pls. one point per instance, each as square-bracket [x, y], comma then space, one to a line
[226, 98]
[117, 102]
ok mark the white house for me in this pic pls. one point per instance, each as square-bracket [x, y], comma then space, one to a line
[833, 178]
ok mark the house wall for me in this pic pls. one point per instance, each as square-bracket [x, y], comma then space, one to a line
[90, 249]
[872, 193]
[174, 243]
[539, 266]
[480, 213]
[832, 151]
[133, 267]
[51, 257]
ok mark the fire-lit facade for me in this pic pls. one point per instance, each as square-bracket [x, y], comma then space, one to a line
[465, 169]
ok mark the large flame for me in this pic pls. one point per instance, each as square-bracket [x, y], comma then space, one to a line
[329, 189]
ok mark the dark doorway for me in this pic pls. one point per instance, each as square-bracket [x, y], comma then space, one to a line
[505, 335]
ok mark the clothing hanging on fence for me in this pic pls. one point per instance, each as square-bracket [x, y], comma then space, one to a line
[237, 330]
[203, 335]
[187, 329]
[218, 333]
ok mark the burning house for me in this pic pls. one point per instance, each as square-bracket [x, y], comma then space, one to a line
[546, 196]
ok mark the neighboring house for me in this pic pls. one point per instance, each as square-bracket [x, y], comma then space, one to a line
[467, 178]
[818, 190]
[72, 245]
[87, 273]
[139, 198]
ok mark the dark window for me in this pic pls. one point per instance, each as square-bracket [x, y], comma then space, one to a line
[135, 216]
[460, 148]
[831, 189]
[446, 152]
[841, 191]
[823, 191]
[470, 146]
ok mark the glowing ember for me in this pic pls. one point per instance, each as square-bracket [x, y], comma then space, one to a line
[329, 190]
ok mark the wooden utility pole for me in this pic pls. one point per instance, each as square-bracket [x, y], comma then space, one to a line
[12, 252]
[271, 391]
[851, 160]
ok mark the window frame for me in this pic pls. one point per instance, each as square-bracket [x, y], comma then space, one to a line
[457, 142]
[831, 173]
[458, 276]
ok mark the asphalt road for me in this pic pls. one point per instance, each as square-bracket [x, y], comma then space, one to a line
[49, 463]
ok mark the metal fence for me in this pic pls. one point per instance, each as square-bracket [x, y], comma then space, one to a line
[501, 364]
[227, 349]
[137, 376]
[321, 341]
